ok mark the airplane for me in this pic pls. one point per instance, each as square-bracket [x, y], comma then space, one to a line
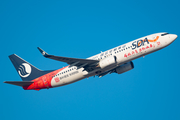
[116, 60]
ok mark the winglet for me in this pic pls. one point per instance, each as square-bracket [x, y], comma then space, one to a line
[43, 52]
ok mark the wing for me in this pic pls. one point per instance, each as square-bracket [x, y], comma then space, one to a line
[87, 64]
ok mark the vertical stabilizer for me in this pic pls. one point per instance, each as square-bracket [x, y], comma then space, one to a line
[26, 71]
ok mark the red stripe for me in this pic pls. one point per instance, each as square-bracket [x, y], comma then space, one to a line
[43, 82]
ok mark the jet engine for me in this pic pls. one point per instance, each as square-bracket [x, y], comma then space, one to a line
[107, 62]
[125, 67]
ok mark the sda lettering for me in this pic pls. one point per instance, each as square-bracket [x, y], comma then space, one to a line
[139, 43]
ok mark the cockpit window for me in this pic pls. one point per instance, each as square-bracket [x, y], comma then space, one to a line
[164, 34]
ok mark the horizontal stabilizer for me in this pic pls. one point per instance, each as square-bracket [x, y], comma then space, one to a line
[19, 83]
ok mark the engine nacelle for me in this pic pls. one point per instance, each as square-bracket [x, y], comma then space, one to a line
[125, 67]
[111, 60]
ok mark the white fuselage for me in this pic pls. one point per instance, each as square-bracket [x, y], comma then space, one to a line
[124, 53]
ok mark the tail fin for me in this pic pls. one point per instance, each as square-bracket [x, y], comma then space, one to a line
[26, 71]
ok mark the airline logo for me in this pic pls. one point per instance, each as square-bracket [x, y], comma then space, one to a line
[24, 70]
[139, 43]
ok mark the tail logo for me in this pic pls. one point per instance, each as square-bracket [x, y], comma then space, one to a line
[24, 70]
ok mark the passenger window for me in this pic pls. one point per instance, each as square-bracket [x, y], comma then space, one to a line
[102, 54]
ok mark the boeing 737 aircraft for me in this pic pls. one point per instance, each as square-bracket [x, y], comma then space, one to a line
[116, 60]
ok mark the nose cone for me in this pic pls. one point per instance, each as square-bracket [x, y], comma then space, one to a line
[174, 36]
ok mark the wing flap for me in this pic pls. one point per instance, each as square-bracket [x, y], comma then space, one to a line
[19, 83]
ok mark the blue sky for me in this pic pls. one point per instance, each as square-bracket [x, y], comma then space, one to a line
[81, 29]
